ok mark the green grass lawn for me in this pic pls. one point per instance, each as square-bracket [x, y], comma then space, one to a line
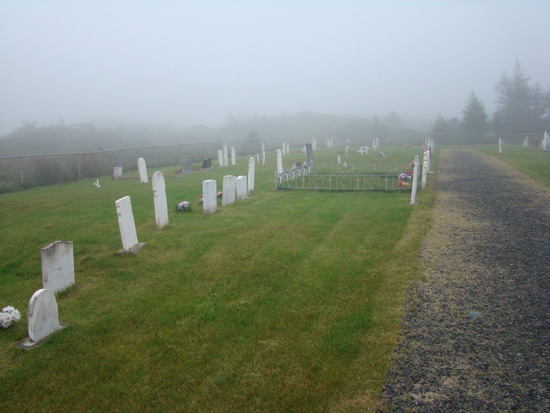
[531, 161]
[290, 300]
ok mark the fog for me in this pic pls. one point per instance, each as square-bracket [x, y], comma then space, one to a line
[187, 63]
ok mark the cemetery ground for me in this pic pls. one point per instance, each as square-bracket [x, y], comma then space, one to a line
[476, 330]
[289, 300]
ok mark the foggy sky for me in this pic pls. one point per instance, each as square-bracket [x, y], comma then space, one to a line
[196, 62]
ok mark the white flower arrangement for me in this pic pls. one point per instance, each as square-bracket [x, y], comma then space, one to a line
[9, 315]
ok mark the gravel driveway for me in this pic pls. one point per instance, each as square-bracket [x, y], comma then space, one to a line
[476, 331]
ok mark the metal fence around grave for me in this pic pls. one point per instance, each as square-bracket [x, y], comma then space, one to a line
[335, 177]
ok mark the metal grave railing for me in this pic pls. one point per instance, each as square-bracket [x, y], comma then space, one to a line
[335, 177]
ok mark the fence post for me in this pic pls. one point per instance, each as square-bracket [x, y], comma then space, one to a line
[78, 158]
[415, 180]
[21, 168]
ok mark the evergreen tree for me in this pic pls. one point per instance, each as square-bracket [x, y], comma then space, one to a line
[521, 109]
[474, 123]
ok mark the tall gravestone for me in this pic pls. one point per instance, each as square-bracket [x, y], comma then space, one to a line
[127, 226]
[309, 152]
[206, 164]
[57, 266]
[241, 187]
[186, 167]
[159, 200]
[233, 156]
[209, 200]
[279, 161]
[251, 174]
[263, 154]
[142, 169]
[117, 172]
[42, 315]
[220, 157]
[225, 158]
[415, 180]
[228, 192]
[424, 169]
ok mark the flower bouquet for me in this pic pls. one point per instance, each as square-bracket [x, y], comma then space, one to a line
[219, 194]
[184, 206]
[9, 315]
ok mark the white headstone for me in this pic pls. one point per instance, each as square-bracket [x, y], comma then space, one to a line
[228, 192]
[241, 187]
[338, 159]
[279, 161]
[233, 156]
[42, 316]
[159, 200]
[225, 160]
[263, 154]
[117, 172]
[499, 145]
[251, 173]
[415, 180]
[424, 169]
[526, 142]
[126, 223]
[142, 169]
[57, 266]
[209, 200]
[220, 157]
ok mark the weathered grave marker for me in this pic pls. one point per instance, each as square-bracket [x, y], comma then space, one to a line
[142, 169]
[186, 167]
[206, 164]
[233, 156]
[127, 226]
[57, 266]
[241, 187]
[225, 159]
[117, 172]
[220, 157]
[279, 161]
[42, 315]
[309, 151]
[251, 174]
[228, 192]
[415, 180]
[209, 200]
[159, 200]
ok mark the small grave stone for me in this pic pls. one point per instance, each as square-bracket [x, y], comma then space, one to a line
[206, 164]
[251, 174]
[186, 167]
[309, 151]
[241, 187]
[42, 316]
[117, 173]
[233, 156]
[159, 200]
[220, 157]
[209, 200]
[228, 193]
[279, 161]
[381, 154]
[338, 159]
[142, 169]
[127, 226]
[57, 266]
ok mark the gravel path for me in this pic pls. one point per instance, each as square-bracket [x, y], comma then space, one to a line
[476, 331]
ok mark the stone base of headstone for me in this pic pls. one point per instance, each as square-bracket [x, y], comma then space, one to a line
[133, 250]
[28, 344]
